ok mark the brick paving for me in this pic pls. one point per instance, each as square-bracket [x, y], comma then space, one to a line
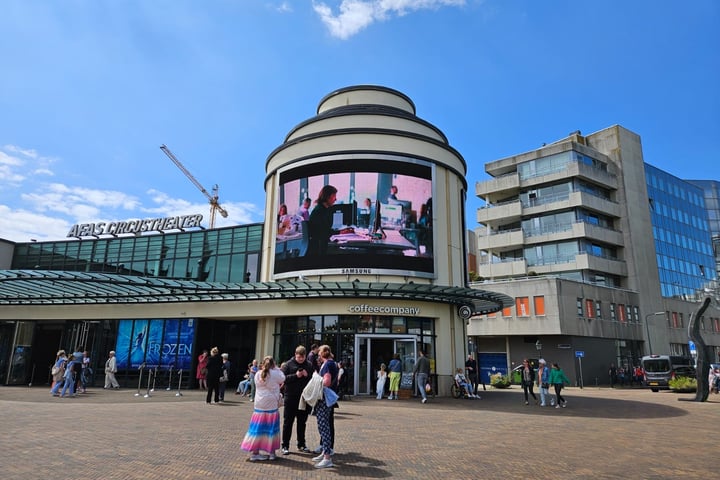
[602, 434]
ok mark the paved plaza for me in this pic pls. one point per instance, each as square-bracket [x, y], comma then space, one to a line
[602, 434]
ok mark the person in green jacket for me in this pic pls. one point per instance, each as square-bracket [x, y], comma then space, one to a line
[558, 379]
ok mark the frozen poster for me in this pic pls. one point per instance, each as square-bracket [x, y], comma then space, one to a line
[139, 343]
[185, 343]
[154, 343]
[122, 344]
[168, 352]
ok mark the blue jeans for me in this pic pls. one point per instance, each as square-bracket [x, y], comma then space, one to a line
[543, 393]
[421, 381]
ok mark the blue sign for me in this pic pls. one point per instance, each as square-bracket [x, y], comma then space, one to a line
[693, 349]
[579, 353]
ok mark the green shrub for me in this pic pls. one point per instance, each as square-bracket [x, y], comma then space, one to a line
[683, 384]
[499, 380]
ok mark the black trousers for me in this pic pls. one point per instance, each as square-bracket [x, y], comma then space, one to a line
[291, 413]
[528, 388]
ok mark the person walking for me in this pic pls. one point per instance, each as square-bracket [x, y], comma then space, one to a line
[69, 377]
[422, 372]
[212, 376]
[224, 376]
[527, 380]
[323, 411]
[558, 379]
[264, 431]
[395, 368]
[298, 372]
[543, 381]
[58, 372]
[110, 371]
[613, 373]
[381, 378]
[253, 370]
[472, 373]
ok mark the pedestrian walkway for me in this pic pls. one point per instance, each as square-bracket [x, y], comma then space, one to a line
[602, 434]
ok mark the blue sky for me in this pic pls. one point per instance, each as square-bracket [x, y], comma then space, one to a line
[89, 90]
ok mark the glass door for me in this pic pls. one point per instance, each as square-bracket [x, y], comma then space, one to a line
[373, 350]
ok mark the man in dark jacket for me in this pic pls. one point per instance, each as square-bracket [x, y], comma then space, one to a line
[298, 371]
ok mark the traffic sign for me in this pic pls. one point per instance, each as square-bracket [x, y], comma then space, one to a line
[579, 353]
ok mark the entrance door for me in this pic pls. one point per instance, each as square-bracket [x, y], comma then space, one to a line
[373, 350]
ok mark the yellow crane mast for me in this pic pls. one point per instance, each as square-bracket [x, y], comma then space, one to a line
[212, 198]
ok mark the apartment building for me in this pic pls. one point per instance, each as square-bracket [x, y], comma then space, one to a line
[605, 255]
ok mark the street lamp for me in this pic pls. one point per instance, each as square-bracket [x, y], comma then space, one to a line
[647, 329]
[538, 347]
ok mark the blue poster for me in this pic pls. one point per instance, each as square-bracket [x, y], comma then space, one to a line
[185, 344]
[122, 344]
[154, 344]
[139, 343]
[168, 353]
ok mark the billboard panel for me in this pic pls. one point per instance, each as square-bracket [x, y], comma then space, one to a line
[379, 220]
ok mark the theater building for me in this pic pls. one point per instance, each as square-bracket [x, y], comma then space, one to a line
[386, 274]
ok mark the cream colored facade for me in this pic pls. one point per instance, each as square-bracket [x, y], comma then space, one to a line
[602, 182]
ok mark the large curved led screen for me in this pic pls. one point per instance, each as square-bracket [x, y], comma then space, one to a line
[359, 216]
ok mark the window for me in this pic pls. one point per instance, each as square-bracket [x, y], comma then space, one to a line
[612, 312]
[598, 310]
[522, 306]
[636, 314]
[589, 308]
[675, 322]
[622, 316]
[539, 305]
[682, 320]
[507, 312]
[579, 307]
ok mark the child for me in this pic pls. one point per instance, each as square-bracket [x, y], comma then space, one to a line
[381, 377]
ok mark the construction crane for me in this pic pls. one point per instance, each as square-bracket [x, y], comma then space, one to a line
[214, 204]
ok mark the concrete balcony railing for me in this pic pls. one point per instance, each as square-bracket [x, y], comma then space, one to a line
[501, 241]
[514, 268]
[505, 185]
[500, 214]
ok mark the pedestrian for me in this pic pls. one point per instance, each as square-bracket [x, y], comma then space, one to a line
[79, 355]
[464, 383]
[527, 380]
[395, 368]
[110, 371]
[612, 371]
[422, 372]
[543, 381]
[201, 370]
[313, 357]
[253, 370]
[86, 372]
[472, 373]
[381, 378]
[558, 379]
[58, 372]
[298, 372]
[323, 411]
[69, 377]
[224, 375]
[264, 431]
[212, 376]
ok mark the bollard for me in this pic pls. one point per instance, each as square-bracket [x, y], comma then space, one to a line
[141, 367]
[179, 394]
[150, 380]
[154, 378]
[169, 387]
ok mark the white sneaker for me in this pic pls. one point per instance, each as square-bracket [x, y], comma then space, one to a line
[324, 463]
[424, 400]
[258, 457]
[318, 458]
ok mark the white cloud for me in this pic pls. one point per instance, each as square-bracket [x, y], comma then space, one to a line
[284, 7]
[355, 15]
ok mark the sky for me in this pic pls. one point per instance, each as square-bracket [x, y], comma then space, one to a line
[90, 89]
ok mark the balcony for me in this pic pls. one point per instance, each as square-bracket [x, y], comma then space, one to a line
[500, 241]
[503, 186]
[500, 213]
[505, 269]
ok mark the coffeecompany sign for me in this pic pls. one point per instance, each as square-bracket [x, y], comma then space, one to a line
[386, 309]
[135, 226]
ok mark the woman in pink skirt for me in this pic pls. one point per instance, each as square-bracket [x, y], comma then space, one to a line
[264, 431]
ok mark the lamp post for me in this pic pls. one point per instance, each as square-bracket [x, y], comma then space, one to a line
[538, 347]
[647, 329]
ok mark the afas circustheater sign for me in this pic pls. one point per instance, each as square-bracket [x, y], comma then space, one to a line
[135, 227]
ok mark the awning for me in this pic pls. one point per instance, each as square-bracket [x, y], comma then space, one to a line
[50, 287]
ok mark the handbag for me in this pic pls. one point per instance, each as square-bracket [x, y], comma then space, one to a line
[545, 385]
